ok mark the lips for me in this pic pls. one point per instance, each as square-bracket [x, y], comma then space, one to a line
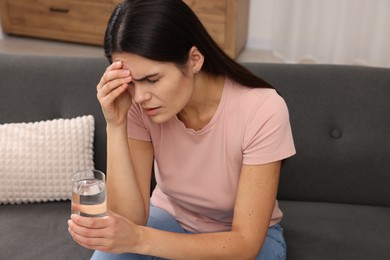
[152, 111]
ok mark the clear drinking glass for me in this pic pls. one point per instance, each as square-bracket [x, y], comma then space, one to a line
[89, 193]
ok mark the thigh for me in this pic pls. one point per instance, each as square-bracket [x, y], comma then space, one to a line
[162, 220]
[274, 247]
[158, 219]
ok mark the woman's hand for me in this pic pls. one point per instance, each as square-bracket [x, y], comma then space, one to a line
[113, 93]
[112, 234]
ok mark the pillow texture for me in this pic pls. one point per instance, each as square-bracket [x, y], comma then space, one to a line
[38, 159]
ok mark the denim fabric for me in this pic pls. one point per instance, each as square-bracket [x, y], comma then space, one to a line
[274, 247]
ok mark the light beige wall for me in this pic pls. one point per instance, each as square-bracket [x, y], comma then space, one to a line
[260, 24]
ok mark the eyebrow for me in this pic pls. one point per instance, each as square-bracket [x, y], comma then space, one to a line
[146, 77]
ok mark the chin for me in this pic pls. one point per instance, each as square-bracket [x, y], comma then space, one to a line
[159, 119]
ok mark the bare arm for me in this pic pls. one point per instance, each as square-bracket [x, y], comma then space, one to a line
[129, 168]
[129, 163]
[254, 205]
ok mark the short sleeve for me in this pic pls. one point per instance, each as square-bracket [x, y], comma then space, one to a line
[268, 136]
[137, 125]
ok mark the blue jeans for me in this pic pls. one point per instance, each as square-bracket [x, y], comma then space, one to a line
[274, 247]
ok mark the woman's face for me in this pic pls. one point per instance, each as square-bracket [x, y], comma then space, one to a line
[162, 89]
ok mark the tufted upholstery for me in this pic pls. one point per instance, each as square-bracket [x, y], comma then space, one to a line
[35, 88]
[334, 193]
[341, 124]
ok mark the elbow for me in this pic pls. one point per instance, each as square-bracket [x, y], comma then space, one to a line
[140, 218]
[244, 254]
[252, 252]
[241, 251]
[250, 247]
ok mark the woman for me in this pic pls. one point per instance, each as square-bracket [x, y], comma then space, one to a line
[216, 133]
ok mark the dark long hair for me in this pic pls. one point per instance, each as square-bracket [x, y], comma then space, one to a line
[166, 30]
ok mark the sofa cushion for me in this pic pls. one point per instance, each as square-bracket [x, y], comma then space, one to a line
[323, 231]
[36, 88]
[340, 122]
[37, 159]
[38, 231]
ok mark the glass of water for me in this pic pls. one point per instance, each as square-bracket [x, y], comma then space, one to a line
[89, 193]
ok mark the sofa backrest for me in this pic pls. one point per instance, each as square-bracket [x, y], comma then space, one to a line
[340, 117]
[35, 88]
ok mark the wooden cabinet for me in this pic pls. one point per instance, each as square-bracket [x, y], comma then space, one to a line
[81, 21]
[84, 21]
[225, 20]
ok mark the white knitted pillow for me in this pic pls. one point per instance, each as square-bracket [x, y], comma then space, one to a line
[37, 159]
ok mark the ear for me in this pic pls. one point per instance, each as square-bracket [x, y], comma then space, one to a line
[195, 60]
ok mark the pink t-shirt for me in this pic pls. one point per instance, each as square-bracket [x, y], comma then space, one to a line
[197, 172]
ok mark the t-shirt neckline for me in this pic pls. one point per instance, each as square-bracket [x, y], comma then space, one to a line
[226, 87]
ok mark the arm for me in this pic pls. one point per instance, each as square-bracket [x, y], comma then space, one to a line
[129, 168]
[129, 162]
[254, 205]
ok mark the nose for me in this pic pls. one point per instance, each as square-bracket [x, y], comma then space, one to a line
[141, 94]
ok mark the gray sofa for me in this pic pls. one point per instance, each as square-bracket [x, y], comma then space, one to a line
[335, 193]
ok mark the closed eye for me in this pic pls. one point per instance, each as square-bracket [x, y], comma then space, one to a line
[148, 79]
[151, 81]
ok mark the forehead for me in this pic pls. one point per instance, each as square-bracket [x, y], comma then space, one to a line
[140, 66]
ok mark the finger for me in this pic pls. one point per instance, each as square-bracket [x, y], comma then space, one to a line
[108, 100]
[113, 66]
[116, 64]
[89, 222]
[114, 74]
[112, 85]
[84, 232]
[113, 79]
[114, 71]
[88, 242]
